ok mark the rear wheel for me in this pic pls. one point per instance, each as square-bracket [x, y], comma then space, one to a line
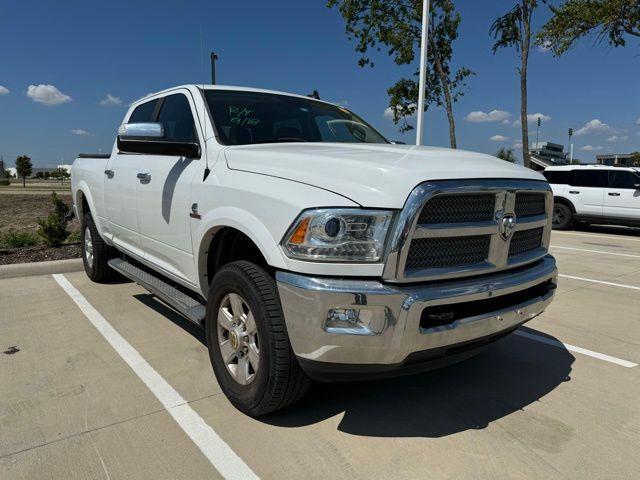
[95, 252]
[562, 216]
[248, 342]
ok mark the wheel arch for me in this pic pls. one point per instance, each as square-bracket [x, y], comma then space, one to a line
[229, 234]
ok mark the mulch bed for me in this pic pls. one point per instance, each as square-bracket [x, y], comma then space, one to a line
[39, 253]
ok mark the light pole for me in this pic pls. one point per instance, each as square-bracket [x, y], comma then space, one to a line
[423, 71]
[214, 57]
[570, 147]
[538, 133]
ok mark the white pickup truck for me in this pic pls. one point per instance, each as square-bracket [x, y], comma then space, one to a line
[306, 244]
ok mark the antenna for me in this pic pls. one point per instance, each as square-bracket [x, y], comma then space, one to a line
[207, 170]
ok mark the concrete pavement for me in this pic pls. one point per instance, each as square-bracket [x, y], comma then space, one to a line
[70, 407]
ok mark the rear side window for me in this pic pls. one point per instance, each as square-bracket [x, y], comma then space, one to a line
[144, 112]
[590, 178]
[559, 177]
[177, 118]
[622, 179]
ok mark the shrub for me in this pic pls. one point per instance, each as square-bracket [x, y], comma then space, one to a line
[54, 229]
[5, 182]
[13, 239]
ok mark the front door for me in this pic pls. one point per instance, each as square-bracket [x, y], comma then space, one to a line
[163, 194]
[586, 191]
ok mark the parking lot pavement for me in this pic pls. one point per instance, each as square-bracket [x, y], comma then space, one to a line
[72, 407]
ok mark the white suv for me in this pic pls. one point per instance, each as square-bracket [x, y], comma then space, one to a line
[594, 194]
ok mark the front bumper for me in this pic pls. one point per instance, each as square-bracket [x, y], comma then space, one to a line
[399, 326]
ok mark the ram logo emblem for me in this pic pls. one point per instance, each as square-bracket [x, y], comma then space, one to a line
[506, 224]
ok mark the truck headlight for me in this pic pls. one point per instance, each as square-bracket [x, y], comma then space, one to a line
[338, 235]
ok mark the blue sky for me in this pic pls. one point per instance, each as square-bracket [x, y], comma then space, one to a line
[89, 49]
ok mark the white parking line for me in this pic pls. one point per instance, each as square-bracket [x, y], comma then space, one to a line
[602, 282]
[619, 237]
[221, 456]
[595, 251]
[573, 348]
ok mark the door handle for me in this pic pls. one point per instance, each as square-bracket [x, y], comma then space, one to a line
[574, 192]
[144, 177]
[614, 194]
[109, 173]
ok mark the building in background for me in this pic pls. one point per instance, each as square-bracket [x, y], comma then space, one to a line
[13, 172]
[65, 167]
[547, 154]
[616, 159]
[1, 168]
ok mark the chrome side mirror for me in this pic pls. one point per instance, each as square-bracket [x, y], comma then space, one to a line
[141, 130]
[149, 139]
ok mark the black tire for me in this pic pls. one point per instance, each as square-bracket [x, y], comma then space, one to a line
[279, 381]
[98, 269]
[562, 216]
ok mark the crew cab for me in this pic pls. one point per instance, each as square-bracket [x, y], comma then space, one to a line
[306, 244]
[585, 194]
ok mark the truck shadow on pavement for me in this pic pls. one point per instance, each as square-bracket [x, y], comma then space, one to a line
[511, 374]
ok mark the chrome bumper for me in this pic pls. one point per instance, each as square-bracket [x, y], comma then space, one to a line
[388, 328]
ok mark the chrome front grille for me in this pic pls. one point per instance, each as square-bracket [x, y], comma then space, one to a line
[525, 241]
[452, 229]
[458, 208]
[529, 204]
[447, 251]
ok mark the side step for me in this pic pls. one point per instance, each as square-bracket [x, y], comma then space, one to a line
[183, 303]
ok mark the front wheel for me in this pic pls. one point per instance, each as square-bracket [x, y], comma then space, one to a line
[248, 343]
[561, 219]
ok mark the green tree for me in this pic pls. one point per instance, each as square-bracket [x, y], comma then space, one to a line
[54, 229]
[513, 29]
[24, 168]
[398, 27]
[506, 154]
[635, 159]
[574, 19]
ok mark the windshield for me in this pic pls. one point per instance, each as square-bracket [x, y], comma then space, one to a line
[243, 118]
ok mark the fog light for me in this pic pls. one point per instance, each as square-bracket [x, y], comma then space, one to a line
[342, 318]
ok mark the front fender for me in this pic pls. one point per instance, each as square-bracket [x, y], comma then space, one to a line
[245, 222]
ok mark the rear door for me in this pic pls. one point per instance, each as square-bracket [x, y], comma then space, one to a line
[586, 191]
[622, 196]
[163, 194]
[120, 184]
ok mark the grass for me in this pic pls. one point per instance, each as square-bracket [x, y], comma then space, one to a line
[13, 239]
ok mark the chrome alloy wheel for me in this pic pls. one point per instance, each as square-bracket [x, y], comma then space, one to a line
[88, 247]
[238, 338]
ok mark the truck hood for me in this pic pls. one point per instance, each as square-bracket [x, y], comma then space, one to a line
[372, 175]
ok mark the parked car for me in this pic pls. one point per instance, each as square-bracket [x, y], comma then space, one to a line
[585, 194]
[306, 244]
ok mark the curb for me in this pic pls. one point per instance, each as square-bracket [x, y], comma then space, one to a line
[40, 268]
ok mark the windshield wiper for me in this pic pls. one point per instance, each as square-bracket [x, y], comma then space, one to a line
[280, 140]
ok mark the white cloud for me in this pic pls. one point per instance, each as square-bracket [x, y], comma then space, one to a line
[79, 131]
[590, 148]
[111, 101]
[506, 122]
[47, 95]
[544, 48]
[533, 117]
[594, 127]
[517, 145]
[388, 112]
[483, 117]
[617, 138]
[638, 121]
[498, 138]
[5, 91]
